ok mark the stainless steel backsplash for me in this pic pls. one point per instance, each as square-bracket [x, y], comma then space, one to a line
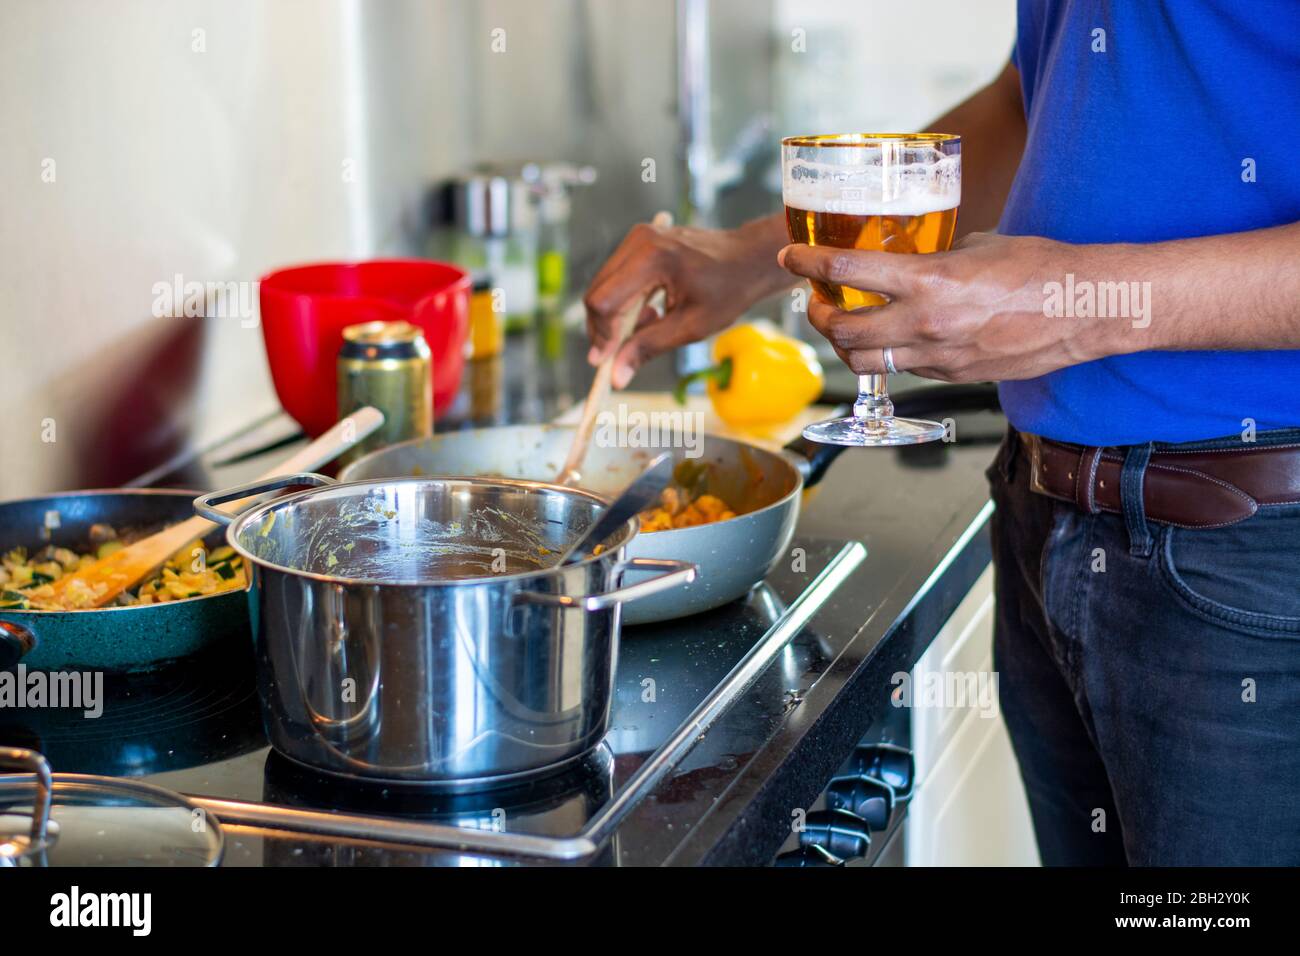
[146, 140]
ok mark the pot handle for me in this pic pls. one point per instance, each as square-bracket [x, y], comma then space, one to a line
[206, 504]
[29, 761]
[16, 642]
[675, 573]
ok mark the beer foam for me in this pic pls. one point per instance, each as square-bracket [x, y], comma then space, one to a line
[873, 189]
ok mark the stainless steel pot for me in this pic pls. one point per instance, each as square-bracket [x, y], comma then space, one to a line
[410, 630]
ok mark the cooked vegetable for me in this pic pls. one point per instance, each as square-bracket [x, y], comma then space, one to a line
[107, 548]
[676, 511]
[99, 533]
[191, 572]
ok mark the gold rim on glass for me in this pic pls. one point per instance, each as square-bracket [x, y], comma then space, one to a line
[871, 139]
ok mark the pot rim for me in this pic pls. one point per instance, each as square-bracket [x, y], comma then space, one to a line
[256, 513]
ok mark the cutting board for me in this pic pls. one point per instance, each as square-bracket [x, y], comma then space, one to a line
[648, 403]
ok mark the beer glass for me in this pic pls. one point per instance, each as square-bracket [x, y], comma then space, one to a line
[893, 192]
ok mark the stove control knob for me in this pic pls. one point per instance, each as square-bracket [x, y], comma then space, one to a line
[889, 764]
[843, 834]
[863, 796]
[808, 856]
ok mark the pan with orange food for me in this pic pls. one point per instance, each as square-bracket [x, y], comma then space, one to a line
[731, 510]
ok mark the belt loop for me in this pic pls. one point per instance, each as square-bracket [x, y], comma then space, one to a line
[1131, 477]
[1085, 481]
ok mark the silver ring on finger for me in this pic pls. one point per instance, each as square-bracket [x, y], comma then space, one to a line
[887, 354]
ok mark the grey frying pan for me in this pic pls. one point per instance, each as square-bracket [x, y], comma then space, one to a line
[763, 487]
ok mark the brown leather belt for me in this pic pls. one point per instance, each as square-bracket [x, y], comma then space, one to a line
[1187, 489]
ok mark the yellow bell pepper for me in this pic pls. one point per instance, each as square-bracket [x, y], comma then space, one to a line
[760, 376]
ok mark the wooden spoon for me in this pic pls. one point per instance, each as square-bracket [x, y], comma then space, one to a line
[128, 566]
[624, 323]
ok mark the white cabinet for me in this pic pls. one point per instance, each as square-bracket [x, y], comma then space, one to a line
[968, 807]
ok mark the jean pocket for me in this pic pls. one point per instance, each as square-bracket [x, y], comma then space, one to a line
[1245, 576]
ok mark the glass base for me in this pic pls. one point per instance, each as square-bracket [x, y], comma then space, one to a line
[874, 432]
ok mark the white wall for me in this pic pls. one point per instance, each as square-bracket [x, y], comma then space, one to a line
[218, 140]
[194, 138]
[885, 65]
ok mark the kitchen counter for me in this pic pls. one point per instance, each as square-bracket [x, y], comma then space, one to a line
[922, 515]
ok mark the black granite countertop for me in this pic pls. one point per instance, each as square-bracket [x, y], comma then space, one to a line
[921, 514]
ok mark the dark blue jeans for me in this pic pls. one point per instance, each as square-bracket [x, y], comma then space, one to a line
[1149, 676]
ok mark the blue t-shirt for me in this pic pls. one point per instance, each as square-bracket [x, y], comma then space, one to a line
[1148, 119]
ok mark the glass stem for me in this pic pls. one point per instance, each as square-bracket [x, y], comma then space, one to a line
[873, 402]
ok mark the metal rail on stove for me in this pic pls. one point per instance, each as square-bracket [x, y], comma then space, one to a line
[600, 827]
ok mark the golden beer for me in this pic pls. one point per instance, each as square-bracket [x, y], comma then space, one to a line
[927, 232]
[884, 192]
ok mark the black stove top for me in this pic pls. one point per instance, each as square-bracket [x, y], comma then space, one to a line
[186, 714]
[195, 728]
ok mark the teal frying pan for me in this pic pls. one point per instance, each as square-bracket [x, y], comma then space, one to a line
[147, 636]
[110, 638]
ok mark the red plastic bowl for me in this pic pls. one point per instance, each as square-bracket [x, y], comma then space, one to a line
[306, 308]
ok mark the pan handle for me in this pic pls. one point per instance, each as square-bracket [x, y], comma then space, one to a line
[675, 573]
[813, 458]
[16, 642]
[206, 504]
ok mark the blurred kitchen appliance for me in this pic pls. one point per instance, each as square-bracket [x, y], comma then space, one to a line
[509, 226]
[489, 228]
[552, 186]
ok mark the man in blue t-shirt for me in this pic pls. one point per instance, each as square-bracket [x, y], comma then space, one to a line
[1129, 273]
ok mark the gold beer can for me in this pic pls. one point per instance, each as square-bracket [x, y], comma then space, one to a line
[387, 365]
